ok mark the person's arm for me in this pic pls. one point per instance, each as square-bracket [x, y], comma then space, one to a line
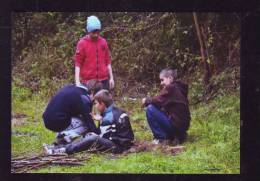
[77, 73]
[109, 67]
[111, 78]
[85, 110]
[78, 58]
[157, 100]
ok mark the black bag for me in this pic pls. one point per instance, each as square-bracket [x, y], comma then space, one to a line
[120, 130]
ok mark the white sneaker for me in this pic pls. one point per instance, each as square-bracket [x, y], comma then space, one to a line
[155, 141]
[162, 142]
[47, 150]
[50, 150]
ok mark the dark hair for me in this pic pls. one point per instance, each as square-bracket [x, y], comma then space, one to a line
[168, 72]
[94, 86]
[104, 96]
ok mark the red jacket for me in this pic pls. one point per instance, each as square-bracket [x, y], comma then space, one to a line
[92, 57]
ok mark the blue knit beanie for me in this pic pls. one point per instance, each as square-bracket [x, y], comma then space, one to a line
[93, 23]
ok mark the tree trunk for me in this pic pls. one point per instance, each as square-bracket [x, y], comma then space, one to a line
[202, 51]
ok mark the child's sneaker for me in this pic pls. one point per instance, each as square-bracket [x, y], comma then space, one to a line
[47, 150]
[155, 141]
[159, 141]
[169, 142]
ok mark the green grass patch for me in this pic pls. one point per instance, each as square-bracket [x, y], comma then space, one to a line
[213, 144]
[29, 133]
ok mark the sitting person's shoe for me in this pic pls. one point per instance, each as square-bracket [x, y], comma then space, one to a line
[169, 142]
[155, 141]
[161, 141]
[174, 142]
[47, 149]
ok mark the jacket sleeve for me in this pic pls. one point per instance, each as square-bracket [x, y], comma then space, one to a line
[85, 109]
[79, 55]
[160, 99]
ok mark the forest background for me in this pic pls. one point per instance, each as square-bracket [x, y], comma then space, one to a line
[204, 47]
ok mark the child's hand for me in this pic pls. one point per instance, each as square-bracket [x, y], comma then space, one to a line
[111, 83]
[143, 101]
[77, 83]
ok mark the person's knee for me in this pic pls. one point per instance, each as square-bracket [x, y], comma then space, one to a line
[150, 108]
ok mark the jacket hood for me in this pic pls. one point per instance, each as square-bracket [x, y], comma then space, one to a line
[83, 91]
[183, 87]
[87, 38]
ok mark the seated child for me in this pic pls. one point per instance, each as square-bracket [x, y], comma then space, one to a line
[168, 114]
[68, 112]
[115, 129]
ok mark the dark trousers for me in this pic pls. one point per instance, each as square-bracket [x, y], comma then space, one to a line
[161, 126]
[88, 142]
[105, 84]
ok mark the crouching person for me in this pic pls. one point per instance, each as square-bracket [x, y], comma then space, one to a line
[68, 112]
[168, 114]
[115, 135]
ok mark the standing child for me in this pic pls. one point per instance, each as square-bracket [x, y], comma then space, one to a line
[92, 57]
[168, 114]
[116, 132]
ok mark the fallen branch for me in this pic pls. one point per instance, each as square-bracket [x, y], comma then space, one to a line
[67, 163]
[24, 164]
[32, 167]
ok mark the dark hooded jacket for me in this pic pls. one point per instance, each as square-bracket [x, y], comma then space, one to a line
[173, 101]
[64, 105]
[118, 129]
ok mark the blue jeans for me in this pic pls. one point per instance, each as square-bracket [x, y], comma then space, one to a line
[161, 126]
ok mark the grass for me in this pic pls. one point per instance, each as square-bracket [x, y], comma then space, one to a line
[213, 144]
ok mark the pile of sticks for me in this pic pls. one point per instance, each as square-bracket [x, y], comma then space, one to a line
[24, 164]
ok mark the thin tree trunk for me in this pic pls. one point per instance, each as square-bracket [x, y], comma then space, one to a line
[202, 51]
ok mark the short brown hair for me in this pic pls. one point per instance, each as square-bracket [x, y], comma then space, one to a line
[168, 72]
[104, 96]
[94, 86]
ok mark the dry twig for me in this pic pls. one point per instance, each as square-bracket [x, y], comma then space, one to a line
[24, 164]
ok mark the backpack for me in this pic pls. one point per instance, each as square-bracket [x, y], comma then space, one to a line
[120, 131]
